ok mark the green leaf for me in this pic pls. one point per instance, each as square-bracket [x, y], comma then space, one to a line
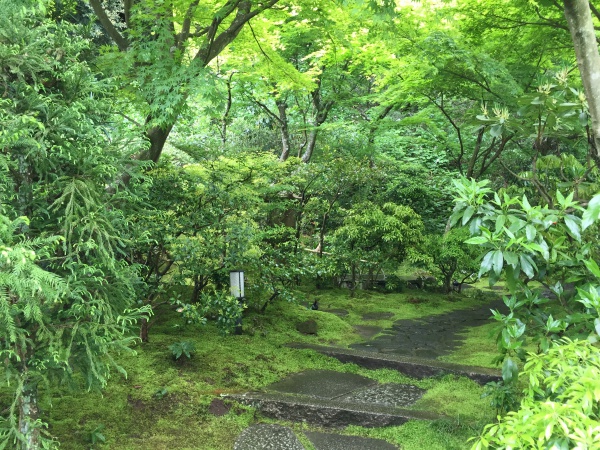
[486, 263]
[510, 370]
[469, 211]
[560, 198]
[474, 225]
[573, 227]
[530, 232]
[593, 267]
[597, 326]
[592, 213]
[477, 240]
[496, 130]
[526, 265]
[498, 262]
[500, 220]
[511, 258]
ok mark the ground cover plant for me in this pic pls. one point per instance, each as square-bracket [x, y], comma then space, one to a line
[166, 403]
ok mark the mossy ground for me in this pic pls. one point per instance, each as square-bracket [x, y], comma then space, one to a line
[164, 404]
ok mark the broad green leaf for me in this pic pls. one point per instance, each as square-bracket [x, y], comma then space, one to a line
[592, 212]
[477, 240]
[469, 211]
[530, 232]
[573, 227]
[559, 198]
[474, 225]
[498, 261]
[510, 370]
[500, 220]
[496, 130]
[526, 265]
[486, 263]
[593, 267]
[511, 258]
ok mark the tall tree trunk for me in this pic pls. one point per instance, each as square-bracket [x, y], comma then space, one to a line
[579, 19]
[28, 415]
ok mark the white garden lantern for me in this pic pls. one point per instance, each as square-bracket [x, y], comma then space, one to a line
[236, 280]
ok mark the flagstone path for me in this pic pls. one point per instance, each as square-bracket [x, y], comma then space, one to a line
[334, 400]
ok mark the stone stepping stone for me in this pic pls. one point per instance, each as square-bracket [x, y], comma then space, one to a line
[326, 412]
[327, 441]
[391, 394]
[367, 331]
[267, 437]
[377, 315]
[429, 337]
[374, 358]
[326, 384]
[337, 312]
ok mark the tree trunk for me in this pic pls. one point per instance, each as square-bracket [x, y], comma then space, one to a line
[285, 134]
[448, 282]
[144, 328]
[28, 415]
[580, 23]
[353, 280]
[157, 136]
[320, 112]
[310, 146]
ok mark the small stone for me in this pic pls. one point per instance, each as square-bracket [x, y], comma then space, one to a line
[267, 437]
[307, 327]
[218, 407]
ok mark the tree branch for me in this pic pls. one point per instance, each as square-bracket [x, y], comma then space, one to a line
[187, 23]
[112, 31]
[440, 106]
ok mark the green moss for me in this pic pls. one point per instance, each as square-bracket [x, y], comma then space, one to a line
[458, 398]
[478, 348]
[419, 435]
[406, 305]
[164, 404]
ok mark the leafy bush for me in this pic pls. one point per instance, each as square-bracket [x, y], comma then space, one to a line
[186, 348]
[561, 404]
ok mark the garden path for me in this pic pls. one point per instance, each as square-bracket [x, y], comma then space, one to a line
[333, 400]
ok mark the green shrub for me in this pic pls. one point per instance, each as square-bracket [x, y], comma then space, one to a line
[560, 408]
[186, 348]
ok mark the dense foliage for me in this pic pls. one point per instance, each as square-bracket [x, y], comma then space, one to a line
[147, 148]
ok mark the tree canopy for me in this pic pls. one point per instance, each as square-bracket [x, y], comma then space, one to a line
[148, 147]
